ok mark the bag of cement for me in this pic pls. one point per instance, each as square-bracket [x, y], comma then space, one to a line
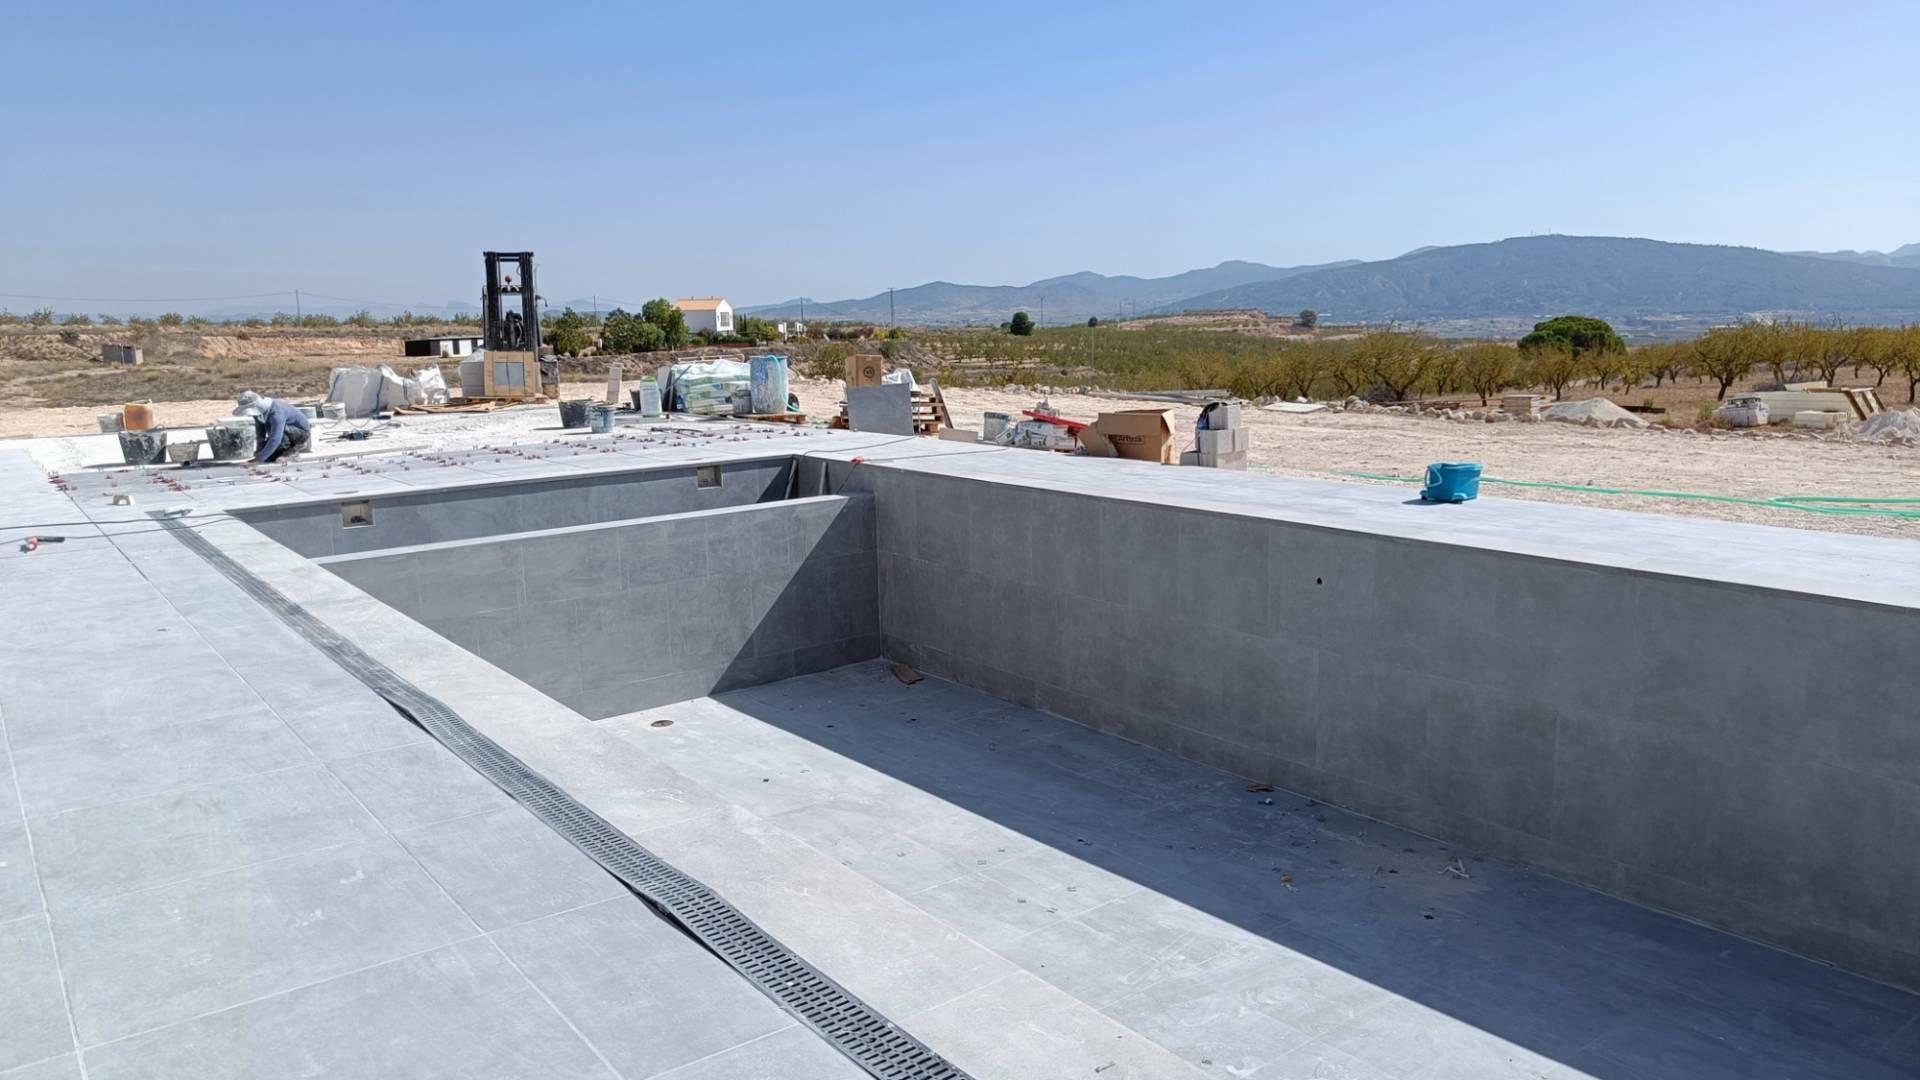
[433, 385]
[898, 375]
[396, 392]
[357, 389]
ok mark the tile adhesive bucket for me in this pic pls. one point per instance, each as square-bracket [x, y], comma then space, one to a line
[573, 413]
[1451, 481]
[603, 418]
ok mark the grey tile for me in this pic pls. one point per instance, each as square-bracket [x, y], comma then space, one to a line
[102, 851]
[985, 910]
[642, 992]
[19, 887]
[64, 1067]
[412, 786]
[795, 1053]
[457, 1013]
[144, 959]
[1022, 1027]
[99, 769]
[507, 867]
[1226, 1029]
[30, 995]
[572, 566]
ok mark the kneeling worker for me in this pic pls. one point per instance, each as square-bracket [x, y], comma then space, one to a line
[280, 428]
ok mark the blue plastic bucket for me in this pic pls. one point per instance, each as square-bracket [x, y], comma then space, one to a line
[1451, 481]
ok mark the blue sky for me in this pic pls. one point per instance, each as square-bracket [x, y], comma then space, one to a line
[766, 151]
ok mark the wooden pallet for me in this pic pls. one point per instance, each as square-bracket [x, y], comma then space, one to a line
[777, 418]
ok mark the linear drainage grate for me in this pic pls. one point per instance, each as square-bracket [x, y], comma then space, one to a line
[843, 1020]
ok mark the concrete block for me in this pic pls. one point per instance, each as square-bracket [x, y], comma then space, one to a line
[1220, 441]
[1225, 416]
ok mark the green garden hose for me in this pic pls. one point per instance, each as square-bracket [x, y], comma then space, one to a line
[1812, 504]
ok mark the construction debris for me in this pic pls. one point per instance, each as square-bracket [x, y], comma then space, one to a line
[906, 674]
[1897, 427]
[1593, 412]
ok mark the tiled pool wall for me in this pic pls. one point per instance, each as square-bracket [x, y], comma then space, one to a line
[626, 615]
[437, 515]
[1746, 757]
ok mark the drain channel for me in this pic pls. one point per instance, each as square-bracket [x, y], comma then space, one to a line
[848, 1024]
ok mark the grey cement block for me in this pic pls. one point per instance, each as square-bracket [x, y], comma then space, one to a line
[457, 1013]
[794, 1053]
[105, 768]
[610, 965]
[30, 996]
[411, 786]
[145, 959]
[508, 867]
[882, 410]
[102, 851]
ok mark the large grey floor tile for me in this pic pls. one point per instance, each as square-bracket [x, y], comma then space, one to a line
[640, 990]
[19, 891]
[154, 957]
[333, 712]
[458, 1013]
[412, 786]
[508, 866]
[107, 768]
[793, 1054]
[1022, 1027]
[100, 851]
[64, 1067]
[890, 953]
[33, 1015]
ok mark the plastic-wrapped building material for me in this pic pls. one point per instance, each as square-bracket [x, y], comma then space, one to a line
[432, 385]
[357, 389]
[684, 382]
[769, 383]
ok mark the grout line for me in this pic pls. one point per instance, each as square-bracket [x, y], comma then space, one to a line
[668, 1075]
[46, 912]
[284, 991]
[164, 792]
[21, 1069]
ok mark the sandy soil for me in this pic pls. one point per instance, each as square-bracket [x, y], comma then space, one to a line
[1324, 445]
[1332, 445]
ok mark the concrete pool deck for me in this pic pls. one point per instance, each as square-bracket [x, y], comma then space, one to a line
[220, 855]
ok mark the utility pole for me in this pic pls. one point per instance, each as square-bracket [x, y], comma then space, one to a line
[296, 303]
[889, 307]
[1043, 312]
[596, 307]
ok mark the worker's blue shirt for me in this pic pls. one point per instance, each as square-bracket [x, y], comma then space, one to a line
[280, 416]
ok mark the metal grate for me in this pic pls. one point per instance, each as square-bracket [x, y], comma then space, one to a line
[848, 1024]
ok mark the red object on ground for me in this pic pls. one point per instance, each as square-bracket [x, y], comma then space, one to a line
[1074, 426]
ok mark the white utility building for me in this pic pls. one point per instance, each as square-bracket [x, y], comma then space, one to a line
[707, 313]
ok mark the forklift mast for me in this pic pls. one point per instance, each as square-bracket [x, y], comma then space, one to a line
[511, 311]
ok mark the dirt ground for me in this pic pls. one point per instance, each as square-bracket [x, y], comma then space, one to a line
[1336, 445]
[1333, 445]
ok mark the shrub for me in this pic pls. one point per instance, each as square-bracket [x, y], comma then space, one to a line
[1021, 325]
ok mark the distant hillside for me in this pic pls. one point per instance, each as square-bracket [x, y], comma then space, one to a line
[1906, 255]
[1615, 278]
[1067, 298]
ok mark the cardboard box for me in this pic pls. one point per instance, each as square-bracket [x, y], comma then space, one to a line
[1136, 434]
[865, 369]
[1220, 441]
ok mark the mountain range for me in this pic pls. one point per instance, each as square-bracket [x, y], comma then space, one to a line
[1646, 284]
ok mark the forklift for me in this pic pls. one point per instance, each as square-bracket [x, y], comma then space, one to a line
[516, 367]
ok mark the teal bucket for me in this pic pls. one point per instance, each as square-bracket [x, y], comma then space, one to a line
[1451, 481]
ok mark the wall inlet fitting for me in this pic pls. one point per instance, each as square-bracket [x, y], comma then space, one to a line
[356, 514]
[706, 476]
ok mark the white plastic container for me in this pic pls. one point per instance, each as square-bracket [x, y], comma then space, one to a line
[649, 397]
